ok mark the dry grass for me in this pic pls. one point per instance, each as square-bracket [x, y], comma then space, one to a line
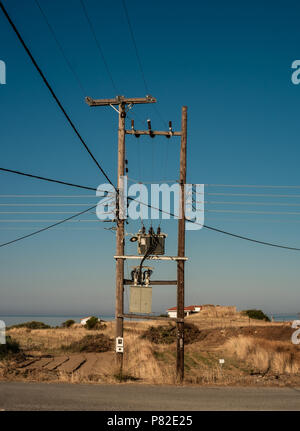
[139, 360]
[216, 319]
[51, 340]
[264, 355]
[147, 362]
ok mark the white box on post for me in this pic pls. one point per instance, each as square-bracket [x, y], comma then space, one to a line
[119, 344]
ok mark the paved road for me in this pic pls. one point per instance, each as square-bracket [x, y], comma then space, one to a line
[43, 396]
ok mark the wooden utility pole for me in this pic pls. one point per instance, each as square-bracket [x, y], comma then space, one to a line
[181, 250]
[121, 101]
[120, 234]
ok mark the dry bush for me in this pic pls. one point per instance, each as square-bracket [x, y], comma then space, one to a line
[90, 343]
[264, 355]
[168, 334]
[47, 340]
[140, 362]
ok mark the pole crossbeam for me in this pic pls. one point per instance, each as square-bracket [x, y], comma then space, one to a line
[120, 99]
[154, 282]
[152, 257]
[152, 133]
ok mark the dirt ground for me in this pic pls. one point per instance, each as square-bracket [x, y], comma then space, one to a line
[254, 352]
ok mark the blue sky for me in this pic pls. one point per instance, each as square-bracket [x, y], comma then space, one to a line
[230, 63]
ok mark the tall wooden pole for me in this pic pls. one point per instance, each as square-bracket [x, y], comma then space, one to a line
[181, 250]
[120, 235]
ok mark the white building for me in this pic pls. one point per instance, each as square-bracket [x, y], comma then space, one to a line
[85, 319]
[190, 309]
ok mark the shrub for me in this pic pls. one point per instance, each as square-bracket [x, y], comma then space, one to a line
[168, 334]
[256, 314]
[68, 323]
[10, 347]
[94, 323]
[90, 343]
[32, 325]
[121, 377]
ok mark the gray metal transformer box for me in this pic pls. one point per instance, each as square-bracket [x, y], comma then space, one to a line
[140, 299]
[146, 240]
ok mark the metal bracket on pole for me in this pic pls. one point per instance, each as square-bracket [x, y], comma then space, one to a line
[112, 106]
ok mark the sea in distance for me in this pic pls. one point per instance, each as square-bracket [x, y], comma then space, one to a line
[53, 320]
[10, 320]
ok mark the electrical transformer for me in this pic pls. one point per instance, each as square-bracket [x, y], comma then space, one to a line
[140, 299]
[151, 243]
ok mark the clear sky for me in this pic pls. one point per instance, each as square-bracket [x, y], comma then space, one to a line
[230, 63]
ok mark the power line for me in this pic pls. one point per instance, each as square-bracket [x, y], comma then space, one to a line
[36, 212]
[250, 239]
[265, 195]
[273, 204]
[47, 196]
[252, 186]
[61, 48]
[12, 171]
[253, 212]
[48, 227]
[160, 210]
[44, 205]
[268, 220]
[220, 230]
[65, 228]
[88, 150]
[139, 59]
[48, 221]
[52, 92]
[98, 45]
[135, 47]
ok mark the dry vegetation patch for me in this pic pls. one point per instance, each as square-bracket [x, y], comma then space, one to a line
[90, 343]
[168, 334]
[259, 352]
[265, 355]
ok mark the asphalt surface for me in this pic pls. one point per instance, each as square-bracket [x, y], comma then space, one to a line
[55, 397]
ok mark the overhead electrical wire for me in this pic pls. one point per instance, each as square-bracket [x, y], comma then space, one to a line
[24, 174]
[139, 59]
[252, 186]
[135, 47]
[223, 211]
[65, 228]
[36, 212]
[220, 230]
[98, 44]
[61, 48]
[272, 204]
[173, 215]
[52, 92]
[43, 205]
[47, 196]
[264, 195]
[249, 239]
[89, 151]
[47, 227]
[47, 221]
